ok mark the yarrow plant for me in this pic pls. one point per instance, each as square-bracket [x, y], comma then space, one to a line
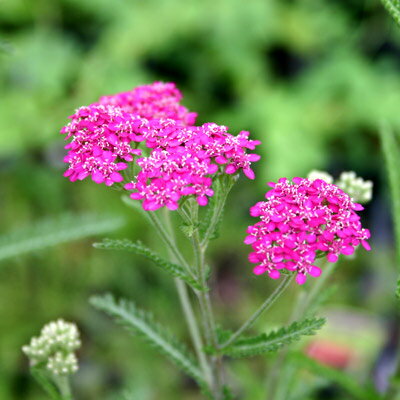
[145, 143]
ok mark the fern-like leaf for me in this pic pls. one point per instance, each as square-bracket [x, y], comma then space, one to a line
[393, 7]
[274, 340]
[342, 379]
[51, 232]
[142, 323]
[175, 270]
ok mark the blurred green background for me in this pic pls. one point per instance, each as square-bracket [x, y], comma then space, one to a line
[312, 79]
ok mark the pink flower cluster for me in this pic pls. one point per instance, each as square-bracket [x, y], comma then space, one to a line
[158, 100]
[299, 222]
[181, 159]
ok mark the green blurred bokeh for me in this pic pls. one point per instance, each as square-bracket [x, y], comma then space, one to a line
[311, 79]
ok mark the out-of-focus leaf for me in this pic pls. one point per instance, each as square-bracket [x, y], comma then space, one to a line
[175, 270]
[54, 231]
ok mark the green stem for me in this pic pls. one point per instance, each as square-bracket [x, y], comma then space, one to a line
[264, 307]
[169, 239]
[279, 375]
[62, 382]
[187, 308]
[206, 307]
[194, 330]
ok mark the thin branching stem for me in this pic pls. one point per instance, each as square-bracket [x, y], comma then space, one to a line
[168, 237]
[206, 307]
[264, 307]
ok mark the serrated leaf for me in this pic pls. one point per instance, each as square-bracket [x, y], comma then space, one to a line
[142, 323]
[274, 340]
[393, 7]
[51, 232]
[173, 269]
[342, 379]
[210, 224]
[42, 378]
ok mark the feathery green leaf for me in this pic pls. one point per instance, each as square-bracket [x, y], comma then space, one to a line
[142, 323]
[393, 7]
[51, 232]
[342, 379]
[175, 270]
[274, 340]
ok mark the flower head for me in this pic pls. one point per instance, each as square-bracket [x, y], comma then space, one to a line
[55, 347]
[300, 221]
[177, 159]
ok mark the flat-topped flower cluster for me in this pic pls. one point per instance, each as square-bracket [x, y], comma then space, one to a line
[301, 221]
[181, 159]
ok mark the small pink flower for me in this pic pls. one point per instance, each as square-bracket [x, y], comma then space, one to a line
[300, 221]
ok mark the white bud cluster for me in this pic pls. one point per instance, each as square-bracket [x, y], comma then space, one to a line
[55, 346]
[357, 188]
[62, 363]
[315, 174]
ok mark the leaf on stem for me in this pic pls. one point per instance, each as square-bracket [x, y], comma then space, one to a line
[274, 340]
[142, 323]
[342, 379]
[43, 379]
[173, 269]
[211, 223]
[51, 232]
[393, 7]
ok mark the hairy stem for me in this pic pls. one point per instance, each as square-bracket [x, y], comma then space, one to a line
[206, 307]
[279, 375]
[264, 307]
[169, 239]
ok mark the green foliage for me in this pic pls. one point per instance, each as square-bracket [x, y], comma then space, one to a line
[356, 390]
[391, 151]
[142, 323]
[126, 245]
[211, 223]
[274, 340]
[51, 232]
[43, 379]
[393, 7]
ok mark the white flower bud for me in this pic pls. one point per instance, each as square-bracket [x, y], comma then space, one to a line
[62, 363]
[357, 188]
[315, 174]
[55, 347]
